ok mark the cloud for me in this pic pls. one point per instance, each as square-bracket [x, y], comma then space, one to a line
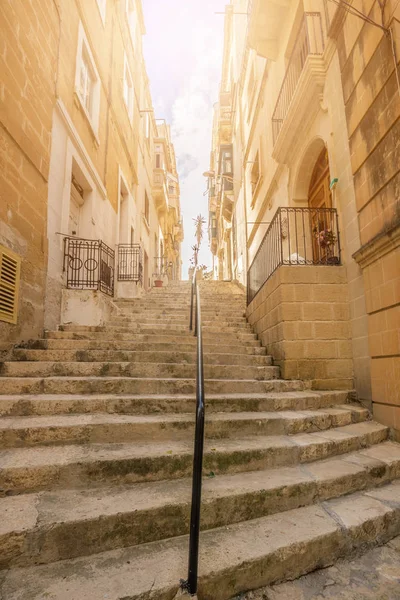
[192, 117]
[185, 72]
[186, 164]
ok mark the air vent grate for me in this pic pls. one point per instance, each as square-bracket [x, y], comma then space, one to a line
[10, 268]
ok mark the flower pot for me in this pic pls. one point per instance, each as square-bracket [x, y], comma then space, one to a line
[333, 260]
[158, 283]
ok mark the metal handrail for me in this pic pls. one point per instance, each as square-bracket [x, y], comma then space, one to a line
[190, 585]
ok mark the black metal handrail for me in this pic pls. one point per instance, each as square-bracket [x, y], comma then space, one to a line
[191, 583]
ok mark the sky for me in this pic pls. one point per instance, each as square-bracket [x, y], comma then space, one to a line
[183, 49]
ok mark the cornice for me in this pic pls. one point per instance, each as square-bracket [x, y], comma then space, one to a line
[378, 247]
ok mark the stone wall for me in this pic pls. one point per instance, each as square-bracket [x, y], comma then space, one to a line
[380, 261]
[372, 103]
[302, 316]
[29, 34]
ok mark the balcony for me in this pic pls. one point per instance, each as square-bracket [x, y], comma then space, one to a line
[301, 91]
[295, 236]
[265, 26]
[160, 190]
[225, 118]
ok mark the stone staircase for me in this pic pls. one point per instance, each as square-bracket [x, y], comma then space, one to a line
[96, 446]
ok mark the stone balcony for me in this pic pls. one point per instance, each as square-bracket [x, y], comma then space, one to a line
[160, 190]
[302, 87]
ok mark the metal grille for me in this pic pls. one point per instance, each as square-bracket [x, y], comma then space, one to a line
[89, 265]
[309, 41]
[130, 263]
[163, 268]
[295, 236]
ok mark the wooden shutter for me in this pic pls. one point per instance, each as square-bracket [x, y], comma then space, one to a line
[10, 269]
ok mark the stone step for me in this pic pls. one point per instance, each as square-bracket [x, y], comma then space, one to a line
[177, 328]
[239, 322]
[172, 356]
[108, 518]
[209, 313]
[107, 428]
[179, 344]
[132, 369]
[173, 305]
[96, 403]
[93, 465]
[132, 385]
[168, 324]
[233, 559]
[155, 335]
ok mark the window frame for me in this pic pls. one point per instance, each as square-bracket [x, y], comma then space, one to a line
[256, 185]
[146, 211]
[129, 104]
[93, 114]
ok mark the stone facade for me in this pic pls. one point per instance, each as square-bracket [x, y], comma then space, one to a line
[78, 147]
[28, 58]
[323, 80]
[369, 54]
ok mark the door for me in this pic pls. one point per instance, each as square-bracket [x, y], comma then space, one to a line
[320, 197]
[74, 212]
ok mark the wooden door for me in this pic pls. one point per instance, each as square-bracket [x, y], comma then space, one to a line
[320, 197]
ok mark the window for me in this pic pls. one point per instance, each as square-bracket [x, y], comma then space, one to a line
[101, 4]
[132, 236]
[158, 161]
[255, 174]
[171, 189]
[251, 88]
[10, 269]
[146, 208]
[130, 15]
[147, 119]
[128, 90]
[87, 81]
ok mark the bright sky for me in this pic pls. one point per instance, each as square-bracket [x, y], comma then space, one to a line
[183, 52]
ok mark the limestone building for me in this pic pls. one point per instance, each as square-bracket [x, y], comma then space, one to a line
[303, 188]
[80, 221]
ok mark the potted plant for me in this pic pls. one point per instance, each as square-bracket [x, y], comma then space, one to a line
[326, 240]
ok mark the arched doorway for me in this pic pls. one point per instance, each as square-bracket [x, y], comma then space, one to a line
[322, 218]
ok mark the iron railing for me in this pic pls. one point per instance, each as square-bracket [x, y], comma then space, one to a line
[163, 267]
[295, 236]
[309, 41]
[130, 263]
[195, 312]
[89, 265]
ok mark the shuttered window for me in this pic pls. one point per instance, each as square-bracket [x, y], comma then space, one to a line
[10, 268]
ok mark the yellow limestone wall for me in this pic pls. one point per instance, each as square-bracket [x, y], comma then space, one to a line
[29, 34]
[372, 104]
[302, 316]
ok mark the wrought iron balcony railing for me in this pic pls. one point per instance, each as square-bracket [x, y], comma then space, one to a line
[309, 42]
[89, 265]
[130, 263]
[295, 236]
